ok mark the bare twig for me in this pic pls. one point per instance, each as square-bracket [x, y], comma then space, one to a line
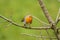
[48, 17]
[58, 14]
[38, 36]
[58, 0]
[10, 21]
[45, 11]
[35, 28]
[48, 35]
[57, 21]
[58, 18]
[41, 36]
[58, 28]
[40, 20]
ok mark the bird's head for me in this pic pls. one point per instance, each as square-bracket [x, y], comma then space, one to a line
[30, 16]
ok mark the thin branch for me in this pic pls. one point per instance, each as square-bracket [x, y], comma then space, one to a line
[48, 17]
[48, 35]
[58, 30]
[10, 21]
[45, 11]
[40, 20]
[57, 18]
[41, 36]
[58, 14]
[41, 28]
[35, 28]
[38, 36]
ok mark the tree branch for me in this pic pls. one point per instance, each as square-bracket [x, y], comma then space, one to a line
[35, 28]
[45, 11]
[48, 35]
[49, 18]
[38, 36]
[58, 18]
[40, 20]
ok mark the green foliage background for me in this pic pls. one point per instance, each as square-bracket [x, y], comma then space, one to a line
[16, 10]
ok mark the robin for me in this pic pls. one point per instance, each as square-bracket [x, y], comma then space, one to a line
[27, 20]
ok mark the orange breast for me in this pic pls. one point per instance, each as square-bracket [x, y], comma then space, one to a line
[28, 20]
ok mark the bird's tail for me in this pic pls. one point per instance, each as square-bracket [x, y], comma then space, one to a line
[22, 20]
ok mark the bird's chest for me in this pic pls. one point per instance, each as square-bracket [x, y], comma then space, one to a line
[28, 19]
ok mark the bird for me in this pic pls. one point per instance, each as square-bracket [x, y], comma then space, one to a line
[27, 20]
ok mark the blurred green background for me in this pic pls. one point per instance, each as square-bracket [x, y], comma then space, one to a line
[16, 10]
